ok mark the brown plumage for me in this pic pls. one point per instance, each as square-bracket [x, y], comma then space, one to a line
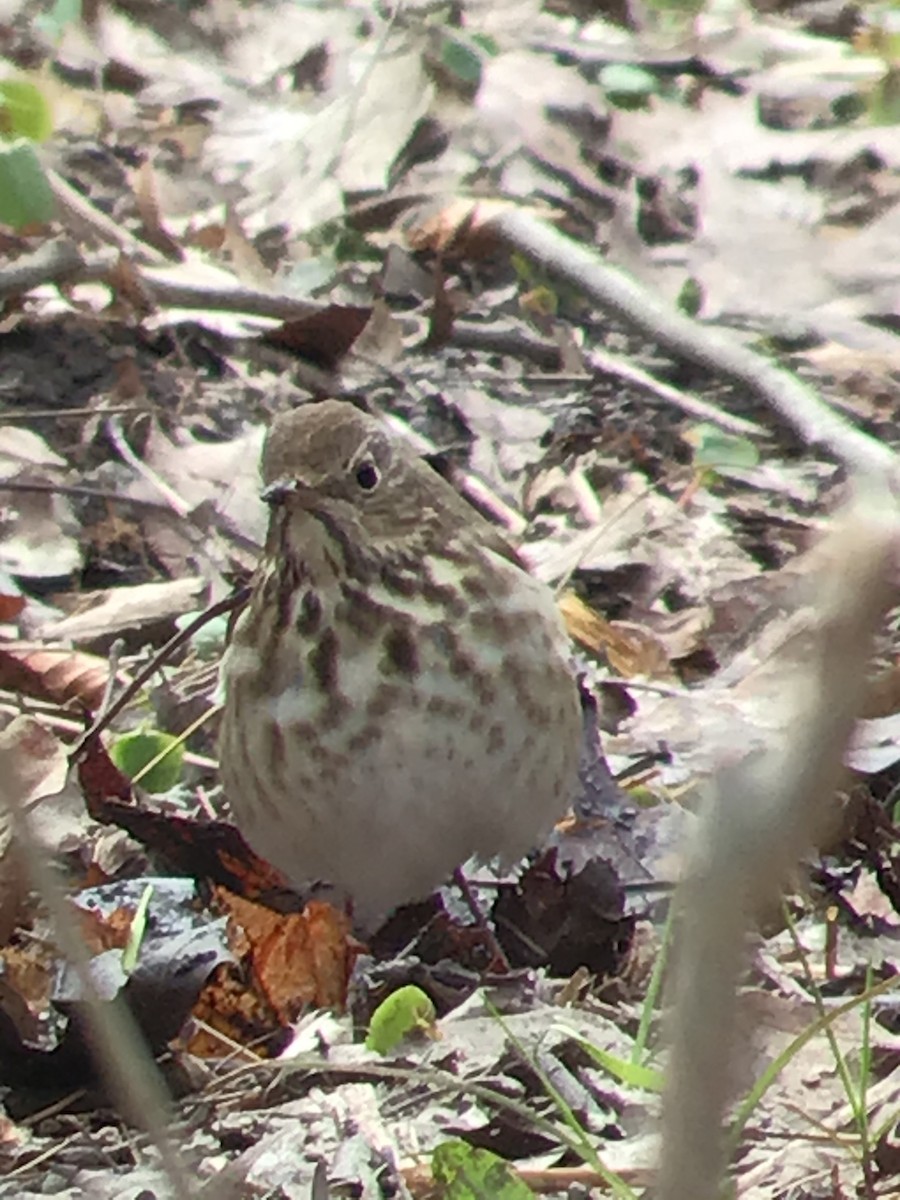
[398, 691]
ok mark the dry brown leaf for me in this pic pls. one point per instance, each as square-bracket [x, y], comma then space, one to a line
[102, 930]
[10, 606]
[323, 337]
[298, 960]
[294, 960]
[119, 608]
[460, 225]
[60, 676]
[29, 973]
[145, 187]
[230, 1009]
[630, 648]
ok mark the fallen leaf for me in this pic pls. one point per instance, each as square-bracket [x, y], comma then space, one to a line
[60, 676]
[299, 959]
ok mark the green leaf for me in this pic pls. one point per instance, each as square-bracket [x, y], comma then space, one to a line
[718, 450]
[462, 61]
[137, 931]
[209, 640]
[485, 42]
[403, 1011]
[526, 271]
[690, 298]
[25, 195]
[465, 1173]
[884, 102]
[150, 757]
[24, 111]
[541, 301]
[627, 86]
[54, 23]
[631, 1073]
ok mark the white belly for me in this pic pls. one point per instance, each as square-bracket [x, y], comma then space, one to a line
[474, 752]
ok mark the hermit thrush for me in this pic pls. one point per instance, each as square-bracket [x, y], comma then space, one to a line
[398, 695]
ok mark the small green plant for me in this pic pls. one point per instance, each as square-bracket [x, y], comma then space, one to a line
[149, 757]
[720, 452]
[628, 86]
[576, 1137]
[208, 642]
[137, 931]
[855, 1076]
[466, 1173]
[716, 453]
[855, 1088]
[54, 23]
[880, 37]
[461, 57]
[653, 998]
[25, 118]
[404, 1011]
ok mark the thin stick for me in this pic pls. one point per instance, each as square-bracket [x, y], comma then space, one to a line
[713, 349]
[120, 1048]
[766, 813]
[117, 436]
[229, 604]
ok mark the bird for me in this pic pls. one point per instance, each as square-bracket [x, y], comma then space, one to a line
[398, 690]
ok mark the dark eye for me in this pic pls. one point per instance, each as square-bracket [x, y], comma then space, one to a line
[367, 476]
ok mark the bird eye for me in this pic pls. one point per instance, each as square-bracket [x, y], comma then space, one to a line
[367, 476]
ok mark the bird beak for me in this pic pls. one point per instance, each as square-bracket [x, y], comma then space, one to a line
[277, 492]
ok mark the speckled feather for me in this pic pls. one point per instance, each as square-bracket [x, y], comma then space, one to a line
[398, 691]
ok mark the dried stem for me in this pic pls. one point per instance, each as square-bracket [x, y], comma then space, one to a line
[766, 813]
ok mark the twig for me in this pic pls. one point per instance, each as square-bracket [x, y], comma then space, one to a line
[86, 493]
[115, 654]
[60, 261]
[250, 302]
[53, 262]
[117, 436]
[229, 604]
[82, 217]
[55, 1147]
[511, 342]
[519, 344]
[621, 368]
[182, 737]
[593, 537]
[712, 349]
[158, 290]
[585, 497]
[52, 720]
[766, 814]
[58, 414]
[437, 1079]
[120, 1049]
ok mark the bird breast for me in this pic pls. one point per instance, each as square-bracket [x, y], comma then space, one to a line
[407, 723]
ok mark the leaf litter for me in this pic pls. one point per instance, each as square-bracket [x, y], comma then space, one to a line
[309, 201]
